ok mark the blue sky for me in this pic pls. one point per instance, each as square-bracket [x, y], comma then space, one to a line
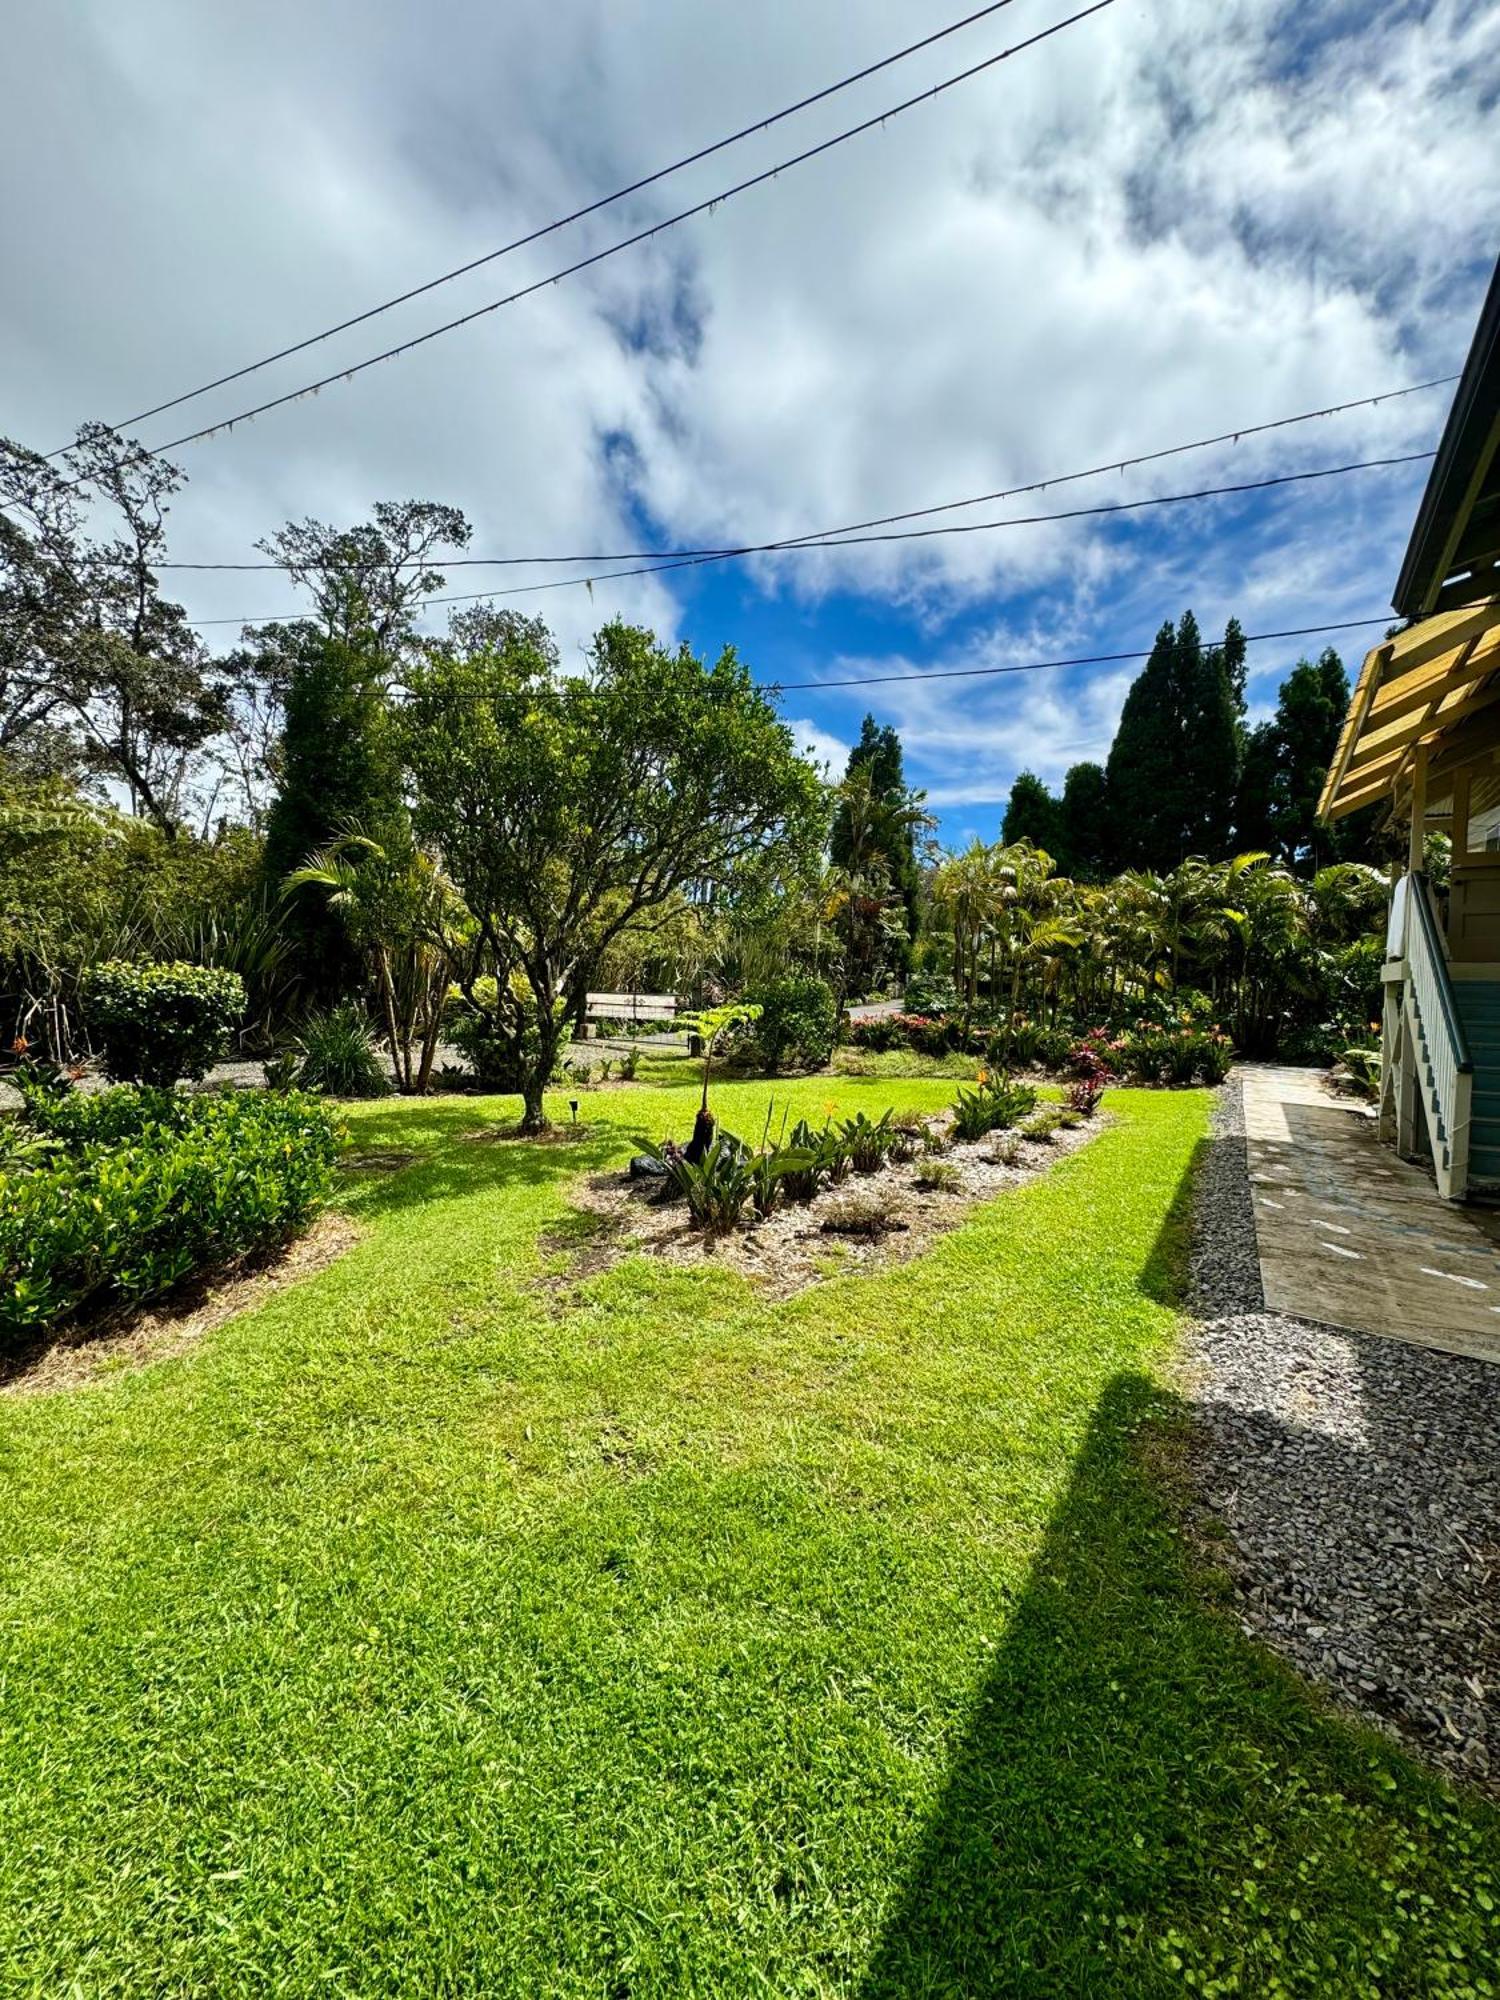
[1163, 223]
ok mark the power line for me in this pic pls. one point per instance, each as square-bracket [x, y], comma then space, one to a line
[563, 221]
[886, 536]
[814, 536]
[1041, 666]
[628, 242]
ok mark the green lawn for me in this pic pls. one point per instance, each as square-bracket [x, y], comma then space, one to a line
[437, 1631]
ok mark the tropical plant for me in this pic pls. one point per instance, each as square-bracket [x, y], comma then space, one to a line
[716, 1187]
[820, 1161]
[994, 1103]
[867, 1142]
[337, 1053]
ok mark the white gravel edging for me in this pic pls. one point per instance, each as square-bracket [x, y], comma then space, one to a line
[1357, 1481]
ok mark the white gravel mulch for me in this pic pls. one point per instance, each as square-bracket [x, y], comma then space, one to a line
[1355, 1481]
[794, 1248]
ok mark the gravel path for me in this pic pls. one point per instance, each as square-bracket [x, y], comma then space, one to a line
[1357, 1481]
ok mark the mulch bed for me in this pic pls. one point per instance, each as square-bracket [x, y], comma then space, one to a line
[795, 1247]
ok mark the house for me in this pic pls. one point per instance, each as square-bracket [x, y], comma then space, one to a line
[1422, 741]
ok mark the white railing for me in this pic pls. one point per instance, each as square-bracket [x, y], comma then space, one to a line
[1439, 1034]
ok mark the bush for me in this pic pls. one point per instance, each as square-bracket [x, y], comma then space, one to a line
[159, 1023]
[799, 1021]
[994, 1103]
[866, 1142]
[1042, 1127]
[142, 1190]
[930, 993]
[336, 1053]
[939, 1177]
[717, 1187]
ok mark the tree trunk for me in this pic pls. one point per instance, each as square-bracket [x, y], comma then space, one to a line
[536, 1071]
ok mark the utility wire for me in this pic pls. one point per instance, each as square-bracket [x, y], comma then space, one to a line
[563, 221]
[814, 537]
[884, 536]
[628, 242]
[1041, 666]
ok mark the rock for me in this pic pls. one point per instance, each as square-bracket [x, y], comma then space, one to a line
[1365, 1488]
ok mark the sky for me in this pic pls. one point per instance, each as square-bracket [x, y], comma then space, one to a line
[1165, 222]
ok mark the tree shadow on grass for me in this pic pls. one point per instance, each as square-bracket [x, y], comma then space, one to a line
[1143, 1794]
[466, 1151]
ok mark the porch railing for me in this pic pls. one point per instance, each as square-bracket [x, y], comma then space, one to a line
[1445, 1068]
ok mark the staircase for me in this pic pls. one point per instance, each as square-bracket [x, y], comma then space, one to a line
[1479, 1010]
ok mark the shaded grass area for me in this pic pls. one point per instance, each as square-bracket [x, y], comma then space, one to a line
[412, 1637]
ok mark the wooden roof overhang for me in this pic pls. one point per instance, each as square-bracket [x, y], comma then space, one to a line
[1436, 685]
[1453, 558]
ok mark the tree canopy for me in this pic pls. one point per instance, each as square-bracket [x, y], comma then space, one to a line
[567, 806]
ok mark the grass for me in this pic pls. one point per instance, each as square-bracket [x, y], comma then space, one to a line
[430, 1631]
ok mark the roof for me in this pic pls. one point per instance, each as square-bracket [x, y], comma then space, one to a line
[1455, 545]
[1438, 684]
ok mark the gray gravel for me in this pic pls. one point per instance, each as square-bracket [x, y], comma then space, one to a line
[1357, 1481]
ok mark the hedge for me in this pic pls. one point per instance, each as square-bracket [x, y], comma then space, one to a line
[157, 1023]
[124, 1195]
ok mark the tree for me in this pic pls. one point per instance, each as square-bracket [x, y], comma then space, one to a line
[340, 773]
[1309, 715]
[1083, 847]
[1255, 795]
[567, 806]
[1031, 813]
[90, 647]
[367, 582]
[853, 841]
[1285, 763]
[1174, 764]
[876, 835]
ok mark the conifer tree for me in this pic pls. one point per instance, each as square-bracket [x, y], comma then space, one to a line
[1032, 813]
[1084, 830]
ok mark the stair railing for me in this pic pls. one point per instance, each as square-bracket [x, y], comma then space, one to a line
[1430, 994]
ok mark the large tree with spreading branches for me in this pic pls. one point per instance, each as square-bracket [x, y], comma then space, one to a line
[570, 806]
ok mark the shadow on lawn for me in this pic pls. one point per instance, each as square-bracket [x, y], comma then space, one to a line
[1142, 1793]
[465, 1149]
[1140, 1786]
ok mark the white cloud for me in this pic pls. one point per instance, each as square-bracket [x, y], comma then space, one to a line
[1152, 227]
[829, 752]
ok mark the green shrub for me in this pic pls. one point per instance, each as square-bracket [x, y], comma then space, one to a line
[141, 1191]
[939, 1177]
[798, 1023]
[867, 1142]
[336, 1053]
[1043, 1126]
[717, 1187]
[994, 1103]
[159, 1023]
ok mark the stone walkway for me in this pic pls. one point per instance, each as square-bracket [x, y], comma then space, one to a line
[1353, 1237]
[1353, 1479]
